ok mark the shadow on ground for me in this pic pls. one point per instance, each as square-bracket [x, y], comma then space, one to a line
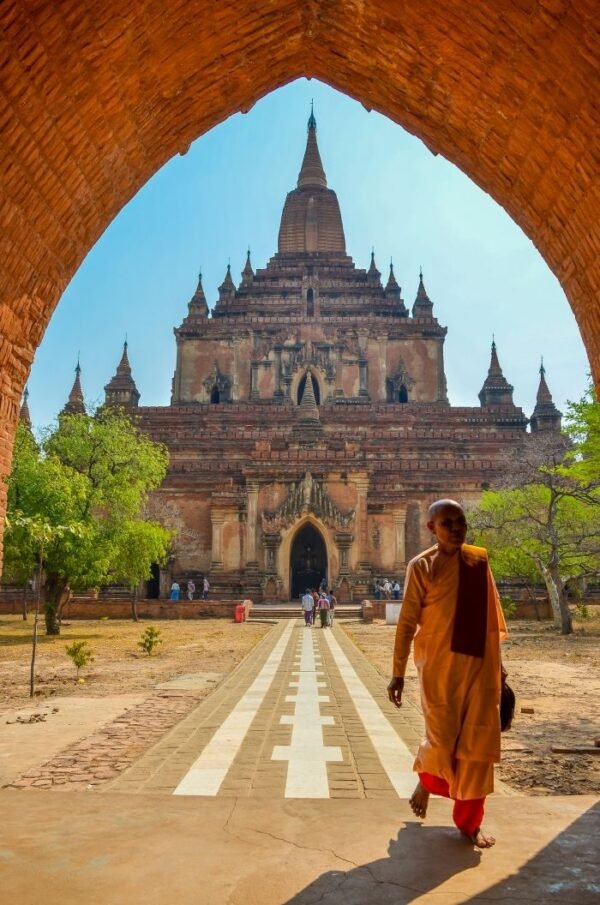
[423, 859]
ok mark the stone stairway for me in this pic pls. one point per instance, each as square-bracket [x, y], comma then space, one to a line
[293, 611]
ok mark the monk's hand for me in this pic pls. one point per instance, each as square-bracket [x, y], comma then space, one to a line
[395, 689]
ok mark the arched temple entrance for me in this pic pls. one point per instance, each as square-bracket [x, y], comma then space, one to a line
[508, 95]
[308, 560]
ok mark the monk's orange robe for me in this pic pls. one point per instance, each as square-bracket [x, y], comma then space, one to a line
[460, 694]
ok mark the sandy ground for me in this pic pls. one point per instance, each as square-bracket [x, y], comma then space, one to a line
[557, 676]
[194, 654]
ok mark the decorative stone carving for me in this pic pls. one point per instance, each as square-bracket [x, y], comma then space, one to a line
[301, 355]
[400, 379]
[306, 495]
[222, 383]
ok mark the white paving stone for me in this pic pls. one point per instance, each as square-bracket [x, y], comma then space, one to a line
[307, 755]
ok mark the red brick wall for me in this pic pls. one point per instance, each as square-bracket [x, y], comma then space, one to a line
[88, 608]
[508, 93]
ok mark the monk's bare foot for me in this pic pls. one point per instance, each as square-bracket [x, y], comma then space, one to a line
[481, 839]
[419, 801]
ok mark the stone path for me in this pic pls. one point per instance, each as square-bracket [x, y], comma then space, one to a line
[304, 716]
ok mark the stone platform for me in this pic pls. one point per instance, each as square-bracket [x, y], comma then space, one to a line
[288, 784]
[94, 849]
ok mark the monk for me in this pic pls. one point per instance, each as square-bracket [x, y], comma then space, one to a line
[452, 610]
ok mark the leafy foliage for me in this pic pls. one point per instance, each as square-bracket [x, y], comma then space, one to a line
[80, 654]
[150, 639]
[545, 518]
[92, 476]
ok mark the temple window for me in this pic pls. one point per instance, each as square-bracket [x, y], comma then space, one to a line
[402, 394]
[215, 396]
[310, 303]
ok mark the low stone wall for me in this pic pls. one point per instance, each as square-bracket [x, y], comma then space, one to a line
[524, 609]
[89, 608]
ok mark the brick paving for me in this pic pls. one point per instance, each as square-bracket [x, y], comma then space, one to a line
[154, 746]
[254, 773]
[94, 760]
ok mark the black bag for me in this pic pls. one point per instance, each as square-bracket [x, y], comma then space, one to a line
[507, 706]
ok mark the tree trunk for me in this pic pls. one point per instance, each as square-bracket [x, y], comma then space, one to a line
[24, 604]
[558, 599]
[53, 595]
[134, 599]
[35, 623]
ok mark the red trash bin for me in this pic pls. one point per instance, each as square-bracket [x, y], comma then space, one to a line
[240, 612]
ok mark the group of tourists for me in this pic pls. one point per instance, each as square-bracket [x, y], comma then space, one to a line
[386, 589]
[191, 589]
[321, 602]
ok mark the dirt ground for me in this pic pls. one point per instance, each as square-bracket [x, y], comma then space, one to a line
[212, 646]
[557, 676]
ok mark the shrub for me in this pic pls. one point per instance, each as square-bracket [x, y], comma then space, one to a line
[509, 607]
[80, 654]
[150, 639]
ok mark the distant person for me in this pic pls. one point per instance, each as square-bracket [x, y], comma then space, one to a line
[191, 589]
[315, 597]
[332, 605]
[396, 590]
[377, 590]
[452, 610]
[205, 588]
[323, 607]
[307, 603]
[387, 589]
[175, 591]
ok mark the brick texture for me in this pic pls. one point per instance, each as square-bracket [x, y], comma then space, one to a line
[94, 98]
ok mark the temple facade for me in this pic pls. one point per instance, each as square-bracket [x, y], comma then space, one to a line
[309, 426]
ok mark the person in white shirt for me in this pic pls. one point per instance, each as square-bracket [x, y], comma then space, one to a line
[307, 604]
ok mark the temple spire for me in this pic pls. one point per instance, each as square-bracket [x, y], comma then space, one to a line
[308, 427]
[496, 389]
[227, 287]
[423, 306]
[308, 408]
[392, 287]
[247, 272]
[311, 171]
[121, 389]
[545, 417]
[372, 273]
[75, 404]
[24, 415]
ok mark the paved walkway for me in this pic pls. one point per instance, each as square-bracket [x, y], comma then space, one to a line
[304, 716]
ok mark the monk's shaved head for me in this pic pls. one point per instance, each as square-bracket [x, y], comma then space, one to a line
[439, 505]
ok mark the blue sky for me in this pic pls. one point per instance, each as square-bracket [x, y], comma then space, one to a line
[483, 274]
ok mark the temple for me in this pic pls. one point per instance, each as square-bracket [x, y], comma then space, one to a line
[309, 426]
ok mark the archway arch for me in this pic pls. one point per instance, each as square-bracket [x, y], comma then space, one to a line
[308, 560]
[285, 549]
[509, 95]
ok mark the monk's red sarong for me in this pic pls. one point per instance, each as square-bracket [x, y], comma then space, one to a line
[467, 815]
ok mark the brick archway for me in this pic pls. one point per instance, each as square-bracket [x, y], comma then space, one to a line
[96, 97]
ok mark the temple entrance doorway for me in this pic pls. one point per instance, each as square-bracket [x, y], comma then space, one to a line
[308, 560]
[153, 583]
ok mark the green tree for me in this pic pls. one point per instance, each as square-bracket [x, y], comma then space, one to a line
[546, 516]
[582, 425]
[93, 474]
